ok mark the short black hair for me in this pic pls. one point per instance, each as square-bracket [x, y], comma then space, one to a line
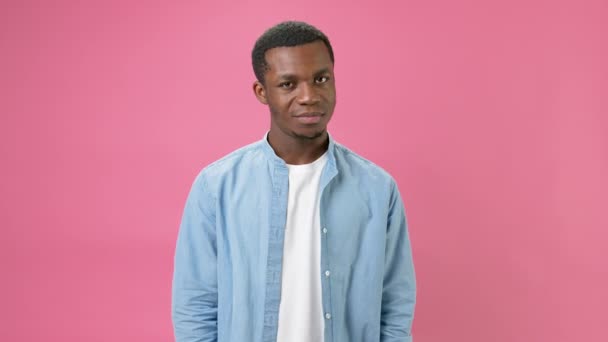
[287, 33]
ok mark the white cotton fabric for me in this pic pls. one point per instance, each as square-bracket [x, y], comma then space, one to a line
[301, 317]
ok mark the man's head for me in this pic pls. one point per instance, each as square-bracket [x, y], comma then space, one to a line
[293, 63]
[285, 34]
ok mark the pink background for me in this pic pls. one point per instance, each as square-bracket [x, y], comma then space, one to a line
[492, 116]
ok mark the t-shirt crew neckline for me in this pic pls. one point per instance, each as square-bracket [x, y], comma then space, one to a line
[310, 166]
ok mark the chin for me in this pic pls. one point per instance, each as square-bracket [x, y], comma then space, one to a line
[310, 134]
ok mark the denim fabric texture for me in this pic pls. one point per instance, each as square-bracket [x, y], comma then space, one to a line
[228, 257]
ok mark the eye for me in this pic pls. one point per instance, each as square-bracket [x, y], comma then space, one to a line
[322, 79]
[285, 85]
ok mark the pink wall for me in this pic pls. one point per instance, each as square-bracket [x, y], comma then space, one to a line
[493, 118]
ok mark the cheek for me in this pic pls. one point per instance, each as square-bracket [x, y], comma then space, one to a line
[330, 97]
[279, 107]
[283, 103]
[330, 93]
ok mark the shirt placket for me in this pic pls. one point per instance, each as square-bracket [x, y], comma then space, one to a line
[276, 235]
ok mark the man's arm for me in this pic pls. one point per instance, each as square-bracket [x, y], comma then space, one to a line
[399, 286]
[194, 295]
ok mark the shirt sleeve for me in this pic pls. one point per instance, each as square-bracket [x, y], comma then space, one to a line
[399, 283]
[194, 292]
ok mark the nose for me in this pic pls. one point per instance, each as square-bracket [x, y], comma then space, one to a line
[308, 95]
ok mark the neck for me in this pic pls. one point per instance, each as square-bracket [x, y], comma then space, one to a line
[295, 150]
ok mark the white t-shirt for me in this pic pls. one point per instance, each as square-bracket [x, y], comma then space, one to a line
[301, 310]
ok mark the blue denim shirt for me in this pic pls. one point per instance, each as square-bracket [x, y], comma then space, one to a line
[228, 258]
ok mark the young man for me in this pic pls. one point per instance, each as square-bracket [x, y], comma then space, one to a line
[294, 238]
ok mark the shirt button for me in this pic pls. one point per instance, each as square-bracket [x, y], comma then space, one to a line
[327, 273]
[327, 316]
[324, 230]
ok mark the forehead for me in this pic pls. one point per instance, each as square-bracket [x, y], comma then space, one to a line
[301, 59]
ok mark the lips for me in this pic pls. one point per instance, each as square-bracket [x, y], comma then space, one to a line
[309, 118]
[309, 114]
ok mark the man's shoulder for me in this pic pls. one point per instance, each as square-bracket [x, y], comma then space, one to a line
[233, 158]
[242, 157]
[356, 165]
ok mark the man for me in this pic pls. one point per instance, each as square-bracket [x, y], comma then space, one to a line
[294, 238]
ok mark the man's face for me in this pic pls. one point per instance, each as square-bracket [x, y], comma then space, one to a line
[299, 89]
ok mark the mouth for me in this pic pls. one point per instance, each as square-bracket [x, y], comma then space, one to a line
[309, 118]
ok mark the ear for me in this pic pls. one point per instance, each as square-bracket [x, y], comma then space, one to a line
[260, 92]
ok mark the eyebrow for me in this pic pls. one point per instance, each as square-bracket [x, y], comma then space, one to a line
[292, 76]
[322, 71]
[286, 76]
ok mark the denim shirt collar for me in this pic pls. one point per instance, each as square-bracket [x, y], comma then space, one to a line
[329, 171]
[271, 155]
